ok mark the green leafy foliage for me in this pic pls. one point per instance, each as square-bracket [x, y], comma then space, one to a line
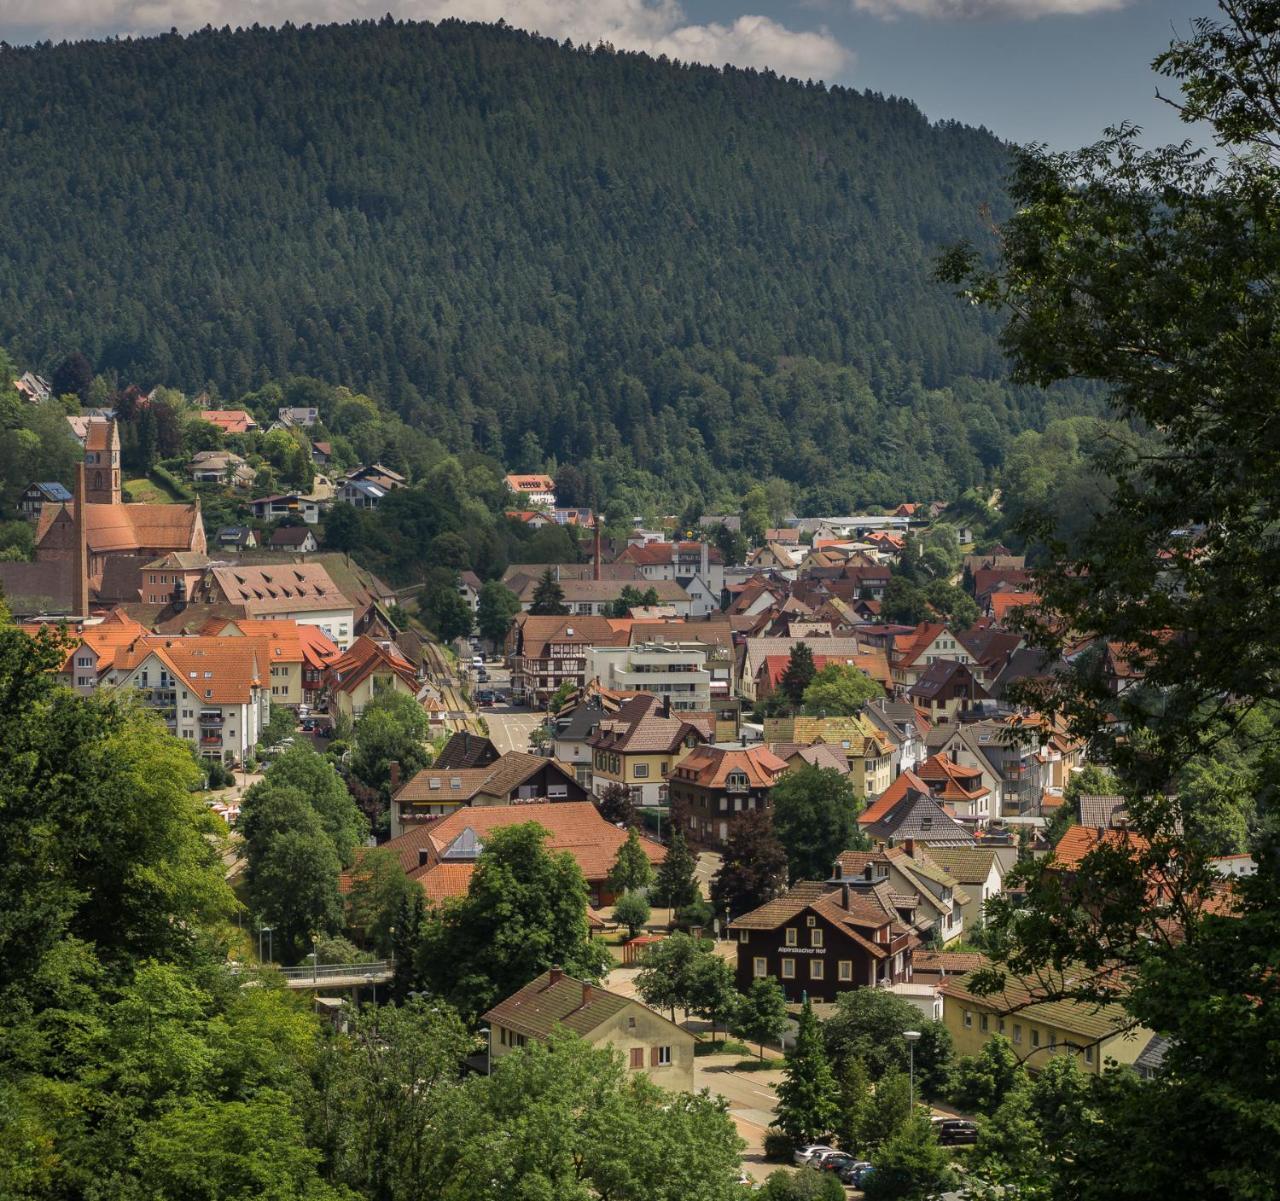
[548, 597]
[631, 868]
[762, 1016]
[814, 812]
[799, 673]
[910, 1166]
[525, 911]
[496, 607]
[839, 690]
[632, 910]
[867, 1029]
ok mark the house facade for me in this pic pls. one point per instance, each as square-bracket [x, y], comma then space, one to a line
[639, 747]
[712, 787]
[819, 941]
[647, 1041]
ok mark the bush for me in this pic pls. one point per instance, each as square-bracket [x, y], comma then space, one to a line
[757, 1065]
[721, 1046]
[776, 1144]
[700, 913]
[175, 485]
[217, 776]
[802, 1186]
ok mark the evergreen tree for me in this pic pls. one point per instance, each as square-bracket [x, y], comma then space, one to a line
[808, 1096]
[799, 673]
[676, 885]
[854, 1104]
[548, 597]
[496, 608]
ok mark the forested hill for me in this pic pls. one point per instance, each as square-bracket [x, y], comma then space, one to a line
[528, 249]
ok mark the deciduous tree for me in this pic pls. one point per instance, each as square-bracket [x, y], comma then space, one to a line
[813, 814]
[753, 867]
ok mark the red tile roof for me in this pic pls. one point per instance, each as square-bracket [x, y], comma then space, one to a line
[907, 782]
[709, 766]
[1079, 841]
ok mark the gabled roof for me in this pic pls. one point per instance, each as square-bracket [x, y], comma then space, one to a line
[968, 865]
[1101, 812]
[465, 749]
[1080, 841]
[216, 670]
[939, 674]
[51, 490]
[858, 916]
[366, 656]
[120, 528]
[950, 781]
[1089, 1022]
[291, 535]
[572, 826]
[554, 999]
[538, 634]
[711, 766]
[910, 812]
[639, 728]
[499, 777]
[279, 588]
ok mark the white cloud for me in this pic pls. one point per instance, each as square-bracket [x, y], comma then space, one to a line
[655, 26]
[978, 10]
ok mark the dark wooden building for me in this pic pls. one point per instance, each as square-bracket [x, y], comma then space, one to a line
[712, 786]
[822, 939]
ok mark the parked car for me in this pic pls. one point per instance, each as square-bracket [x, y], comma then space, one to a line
[477, 661]
[955, 1132]
[851, 1172]
[837, 1161]
[482, 676]
[804, 1154]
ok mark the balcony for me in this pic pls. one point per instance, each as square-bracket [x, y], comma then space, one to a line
[210, 740]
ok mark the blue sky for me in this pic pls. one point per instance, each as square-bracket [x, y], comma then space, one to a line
[1056, 71]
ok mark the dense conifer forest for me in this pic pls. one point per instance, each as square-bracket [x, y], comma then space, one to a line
[539, 252]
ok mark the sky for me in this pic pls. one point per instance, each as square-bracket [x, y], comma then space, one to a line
[1052, 71]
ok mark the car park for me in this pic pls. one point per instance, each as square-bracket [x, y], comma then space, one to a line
[804, 1154]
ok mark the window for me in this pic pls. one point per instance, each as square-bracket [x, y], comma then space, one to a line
[744, 935]
[1035, 1037]
[84, 661]
[846, 969]
[811, 920]
[817, 969]
[759, 969]
[1001, 1026]
[1017, 1034]
[968, 1019]
[788, 969]
[793, 937]
[986, 1022]
[637, 1057]
[640, 771]
[1088, 1054]
[815, 938]
[661, 1056]
[631, 1023]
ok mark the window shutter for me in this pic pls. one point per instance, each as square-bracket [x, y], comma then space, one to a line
[654, 1057]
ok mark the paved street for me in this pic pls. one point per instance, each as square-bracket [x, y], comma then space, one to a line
[510, 728]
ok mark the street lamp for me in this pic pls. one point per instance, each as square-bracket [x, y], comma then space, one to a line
[267, 930]
[912, 1037]
[488, 1049]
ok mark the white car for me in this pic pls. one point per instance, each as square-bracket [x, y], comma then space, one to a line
[804, 1155]
[477, 660]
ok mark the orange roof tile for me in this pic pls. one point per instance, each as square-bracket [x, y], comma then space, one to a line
[709, 766]
[1079, 841]
[907, 782]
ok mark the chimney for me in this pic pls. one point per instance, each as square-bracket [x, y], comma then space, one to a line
[587, 994]
[844, 895]
[80, 584]
[595, 567]
[666, 705]
[705, 559]
[555, 976]
[395, 777]
[909, 845]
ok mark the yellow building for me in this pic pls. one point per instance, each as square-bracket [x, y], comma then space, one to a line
[364, 670]
[866, 748]
[640, 745]
[647, 1041]
[1039, 1029]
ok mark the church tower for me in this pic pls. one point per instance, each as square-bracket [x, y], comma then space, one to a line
[102, 463]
